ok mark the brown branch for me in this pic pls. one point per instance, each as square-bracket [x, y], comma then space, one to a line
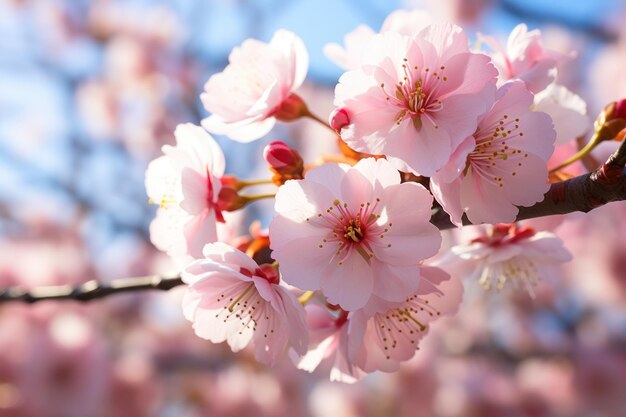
[582, 193]
[90, 290]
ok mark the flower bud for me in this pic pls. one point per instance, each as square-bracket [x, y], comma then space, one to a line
[230, 200]
[285, 162]
[280, 156]
[339, 119]
[292, 108]
[620, 109]
[611, 121]
[230, 181]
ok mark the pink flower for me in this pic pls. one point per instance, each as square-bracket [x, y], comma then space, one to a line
[231, 298]
[353, 232]
[185, 182]
[567, 110]
[415, 98]
[502, 165]
[259, 78]
[511, 256]
[381, 341]
[329, 343]
[357, 42]
[524, 58]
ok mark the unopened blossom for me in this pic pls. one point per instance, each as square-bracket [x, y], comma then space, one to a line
[185, 183]
[231, 298]
[508, 256]
[329, 343]
[353, 232]
[524, 57]
[260, 78]
[503, 164]
[383, 340]
[415, 99]
[356, 43]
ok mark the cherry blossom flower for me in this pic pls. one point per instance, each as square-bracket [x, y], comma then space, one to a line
[415, 99]
[510, 256]
[329, 343]
[502, 165]
[260, 77]
[567, 110]
[356, 42]
[381, 341]
[353, 232]
[185, 182]
[524, 58]
[231, 298]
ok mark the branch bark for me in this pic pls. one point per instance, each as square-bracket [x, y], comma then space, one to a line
[90, 290]
[583, 193]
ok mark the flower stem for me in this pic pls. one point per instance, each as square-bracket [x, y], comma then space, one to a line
[318, 120]
[579, 155]
[250, 183]
[251, 198]
[306, 297]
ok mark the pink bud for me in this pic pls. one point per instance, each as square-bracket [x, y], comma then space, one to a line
[620, 109]
[230, 200]
[291, 108]
[339, 119]
[281, 157]
[231, 181]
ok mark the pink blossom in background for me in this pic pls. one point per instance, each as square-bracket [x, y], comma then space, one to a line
[502, 165]
[356, 233]
[357, 42]
[66, 368]
[185, 182]
[231, 298]
[524, 57]
[329, 343]
[259, 78]
[567, 110]
[415, 99]
[383, 340]
[508, 256]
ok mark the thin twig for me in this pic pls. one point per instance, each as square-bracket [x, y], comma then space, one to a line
[90, 290]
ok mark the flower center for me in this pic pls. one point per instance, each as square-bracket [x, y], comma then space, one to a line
[488, 157]
[405, 324]
[351, 230]
[416, 94]
[265, 271]
[242, 303]
[502, 234]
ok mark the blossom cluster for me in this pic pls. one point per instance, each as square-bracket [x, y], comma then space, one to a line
[344, 275]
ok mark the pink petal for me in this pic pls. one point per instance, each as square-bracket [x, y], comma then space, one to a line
[349, 285]
[448, 39]
[449, 196]
[296, 321]
[244, 132]
[484, 202]
[411, 236]
[395, 282]
[200, 230]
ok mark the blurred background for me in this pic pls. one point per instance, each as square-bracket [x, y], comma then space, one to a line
[91, 90]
